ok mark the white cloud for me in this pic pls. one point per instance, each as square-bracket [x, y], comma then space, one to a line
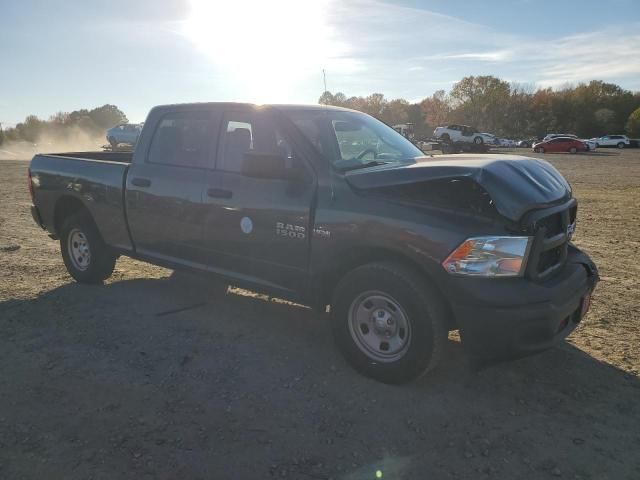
[411, 52]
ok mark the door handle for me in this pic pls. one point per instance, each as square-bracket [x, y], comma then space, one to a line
[141, 182]
[219, 193]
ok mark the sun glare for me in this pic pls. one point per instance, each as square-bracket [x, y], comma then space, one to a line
[265, 46]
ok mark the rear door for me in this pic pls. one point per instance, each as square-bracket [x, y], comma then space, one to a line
[258, 228]
[165, 188]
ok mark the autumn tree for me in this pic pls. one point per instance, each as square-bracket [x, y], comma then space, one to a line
[633, 124]
[435, 109]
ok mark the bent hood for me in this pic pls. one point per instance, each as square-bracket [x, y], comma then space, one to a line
[515, 184]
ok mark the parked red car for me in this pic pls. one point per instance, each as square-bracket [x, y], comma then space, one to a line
[560, 145]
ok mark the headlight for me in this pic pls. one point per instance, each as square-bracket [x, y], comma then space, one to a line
[489, 257]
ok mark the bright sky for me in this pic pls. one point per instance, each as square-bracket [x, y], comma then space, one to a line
[61, 55]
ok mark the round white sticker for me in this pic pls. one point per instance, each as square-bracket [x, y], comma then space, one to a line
[246, 225]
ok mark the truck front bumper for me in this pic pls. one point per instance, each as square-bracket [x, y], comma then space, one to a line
[505, 318]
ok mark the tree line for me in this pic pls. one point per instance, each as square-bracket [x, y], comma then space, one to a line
[64, 125]
[488, 103]
[509, 110]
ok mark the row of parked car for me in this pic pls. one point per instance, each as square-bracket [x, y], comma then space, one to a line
[553, 142]
[563, 142]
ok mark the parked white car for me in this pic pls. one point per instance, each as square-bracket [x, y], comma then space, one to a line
[619, 141]
[124, 133]
[490, 138]
[507, 143]
[461, 133]
[591, 145]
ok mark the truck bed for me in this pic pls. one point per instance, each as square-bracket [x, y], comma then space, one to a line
[93, 179]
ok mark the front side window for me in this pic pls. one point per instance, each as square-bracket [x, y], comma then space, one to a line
[182, 139]
[245, 132]
[352, 140]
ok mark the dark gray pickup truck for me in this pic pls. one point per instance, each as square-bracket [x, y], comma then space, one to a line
[331, 208]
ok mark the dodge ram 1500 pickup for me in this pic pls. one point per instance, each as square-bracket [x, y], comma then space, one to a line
[331, 208]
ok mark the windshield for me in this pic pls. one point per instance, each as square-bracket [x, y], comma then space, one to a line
[351, 140]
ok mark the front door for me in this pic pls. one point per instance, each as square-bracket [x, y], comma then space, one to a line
[258, 228]
[164, 193]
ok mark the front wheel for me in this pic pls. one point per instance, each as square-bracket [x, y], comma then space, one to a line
[478, 141]
[621, 145]
[388, 322]
[87, 258]
[539, 150]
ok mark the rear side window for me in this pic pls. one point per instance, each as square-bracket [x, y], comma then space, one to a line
[182, 139]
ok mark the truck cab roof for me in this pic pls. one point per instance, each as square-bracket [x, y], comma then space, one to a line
[278, 106]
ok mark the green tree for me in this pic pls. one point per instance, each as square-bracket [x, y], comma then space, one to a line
[107, 116]
[633, 124]
[480, 101]
[395, 111]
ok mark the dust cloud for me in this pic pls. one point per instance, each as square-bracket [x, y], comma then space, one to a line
[72, 139]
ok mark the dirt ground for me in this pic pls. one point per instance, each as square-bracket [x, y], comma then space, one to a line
[151, 376]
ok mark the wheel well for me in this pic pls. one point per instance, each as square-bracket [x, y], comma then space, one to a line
[351, 260]
[65, 207]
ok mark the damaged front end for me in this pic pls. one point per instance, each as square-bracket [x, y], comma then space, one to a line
[529, 197]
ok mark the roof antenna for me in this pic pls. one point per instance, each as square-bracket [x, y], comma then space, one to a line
[326, 110]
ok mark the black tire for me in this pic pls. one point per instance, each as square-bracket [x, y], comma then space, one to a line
[478, 140]
[101, 260]
[621, 145]
[597, 145]
[113, 143]
[421, 307]
[539, 150]
[573, 150]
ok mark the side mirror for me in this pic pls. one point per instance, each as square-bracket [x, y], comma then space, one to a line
[266, 165]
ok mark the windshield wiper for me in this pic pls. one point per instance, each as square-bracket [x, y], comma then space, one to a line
[372, 163]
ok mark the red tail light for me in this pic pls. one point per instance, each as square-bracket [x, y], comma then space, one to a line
[30, 184]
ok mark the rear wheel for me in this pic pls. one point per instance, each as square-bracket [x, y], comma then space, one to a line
[621, 145]
[113, 142]
[478, 141]
[388, 323]
[87, 258]
[573, 150]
